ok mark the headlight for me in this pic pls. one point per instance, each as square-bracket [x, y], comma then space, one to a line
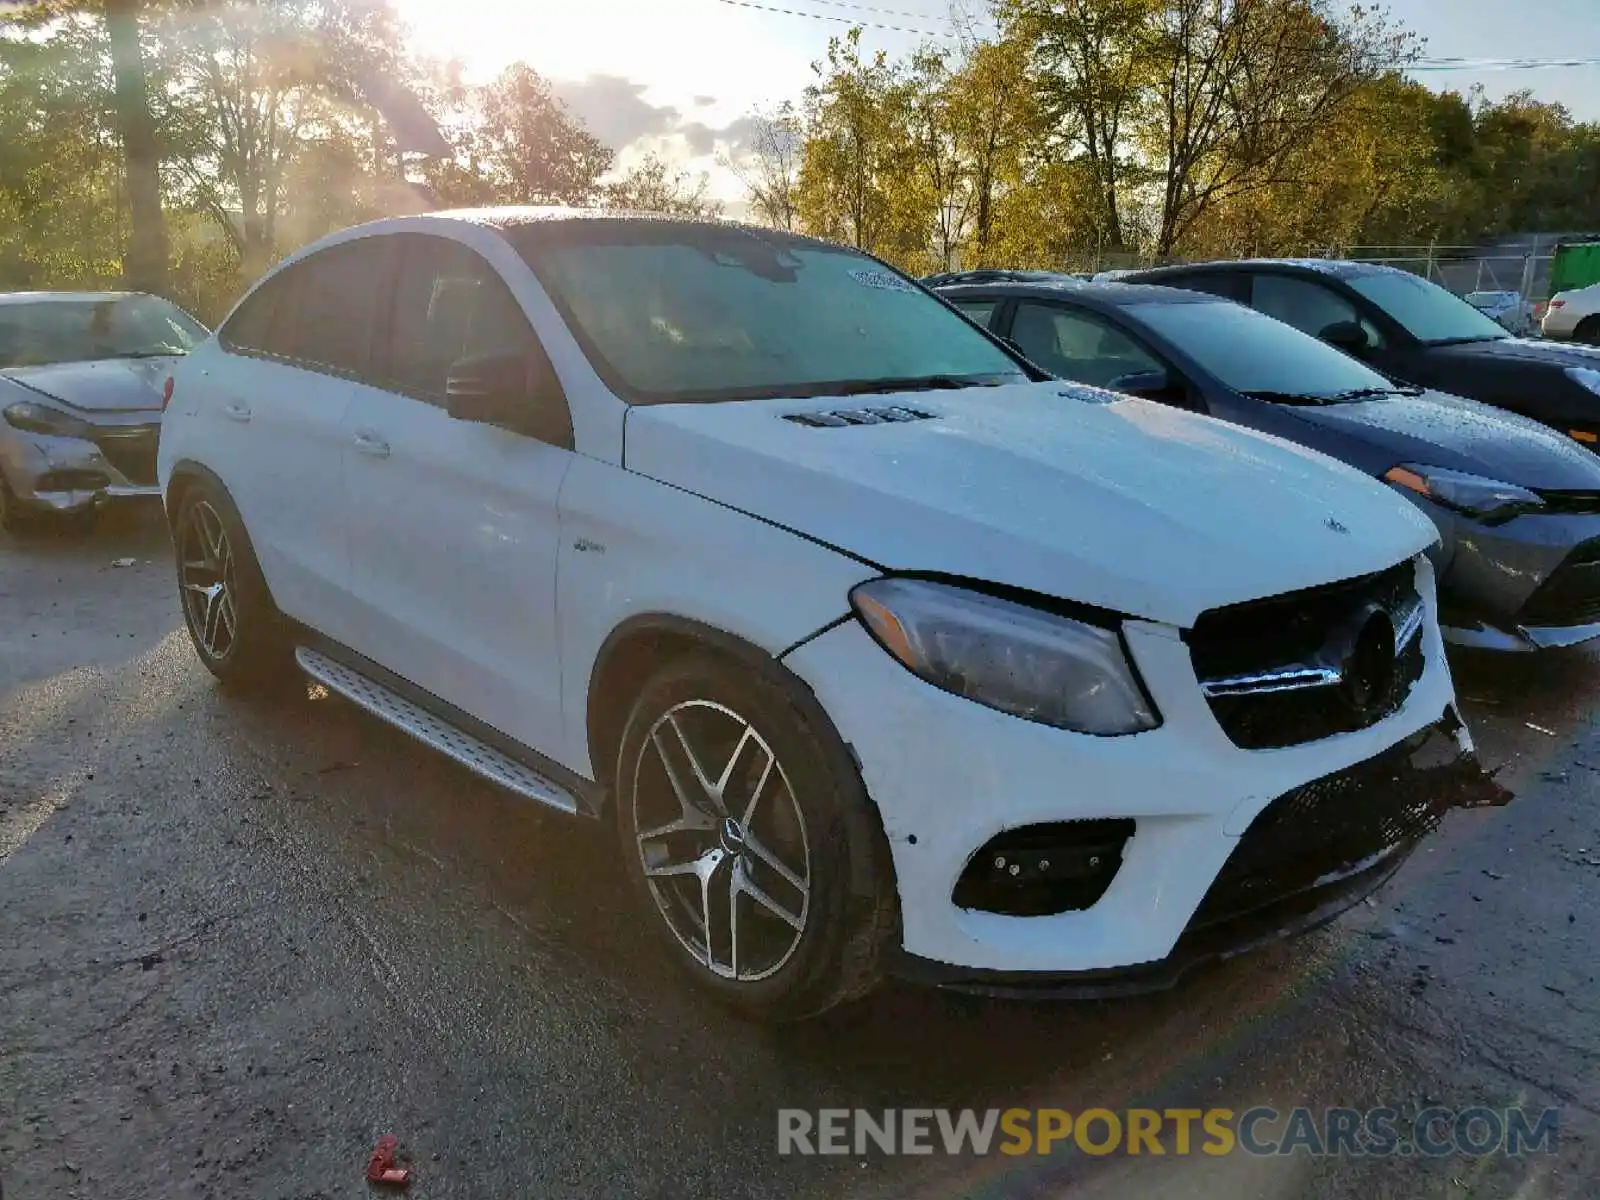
[1024, 661]
[41, 418]
[1487, 499]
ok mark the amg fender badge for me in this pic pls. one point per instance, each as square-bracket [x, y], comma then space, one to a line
[1336, 525]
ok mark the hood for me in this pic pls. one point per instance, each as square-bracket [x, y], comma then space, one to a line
[105, 385]
[1064, 490]
[1441, 430]
[1556, 355]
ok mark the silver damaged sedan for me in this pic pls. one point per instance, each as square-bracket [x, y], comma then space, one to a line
[81, 381]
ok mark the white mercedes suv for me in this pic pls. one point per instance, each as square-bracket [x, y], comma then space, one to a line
[884, 653]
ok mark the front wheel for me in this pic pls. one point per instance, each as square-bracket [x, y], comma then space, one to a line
[746, 827]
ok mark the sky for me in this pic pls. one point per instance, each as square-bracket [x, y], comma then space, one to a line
[676, 76]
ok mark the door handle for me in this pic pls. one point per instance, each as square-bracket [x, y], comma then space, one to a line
[237, 412]
[370, 443]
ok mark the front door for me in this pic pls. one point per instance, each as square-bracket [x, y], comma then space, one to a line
[454, 525]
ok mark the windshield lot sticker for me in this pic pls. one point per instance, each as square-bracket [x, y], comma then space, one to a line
[883, 282]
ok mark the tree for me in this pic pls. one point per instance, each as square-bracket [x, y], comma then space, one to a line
[254, 85]
[938, 184]
[768, 165]
[998, 126]
[531, 147]
[1241, 84]
[60, 165]
[146, 264]
[651, 186]
[1090, 61]
[856, 155]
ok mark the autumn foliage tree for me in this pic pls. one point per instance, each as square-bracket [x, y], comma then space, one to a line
[1106, 132]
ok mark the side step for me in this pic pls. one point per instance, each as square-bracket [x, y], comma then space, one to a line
[473, 754]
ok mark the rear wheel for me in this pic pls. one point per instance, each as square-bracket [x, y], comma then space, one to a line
[748, 832]
[237, 630]
[1588, 331]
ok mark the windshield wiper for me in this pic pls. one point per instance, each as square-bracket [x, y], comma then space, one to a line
[167, 353]
[1290, 397]
[911, 383]
[1468, 341]
[1368, 393]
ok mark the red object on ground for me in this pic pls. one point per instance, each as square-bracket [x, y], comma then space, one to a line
[382, 1168]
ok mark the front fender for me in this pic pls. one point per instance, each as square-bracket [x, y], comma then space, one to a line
[635, 552]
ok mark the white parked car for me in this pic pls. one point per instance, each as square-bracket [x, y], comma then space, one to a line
[882, 652]
[1574, 316]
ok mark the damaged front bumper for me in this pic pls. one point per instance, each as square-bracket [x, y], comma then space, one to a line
[66, 475]
[1311, 854]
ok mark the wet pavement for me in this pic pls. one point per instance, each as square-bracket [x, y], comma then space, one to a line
[240, 938]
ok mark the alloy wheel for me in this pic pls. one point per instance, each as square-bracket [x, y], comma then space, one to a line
[722, 840]
[207, 575]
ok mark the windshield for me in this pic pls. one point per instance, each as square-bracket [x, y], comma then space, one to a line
[37, 333]
[1425, 310]
[678, 312]
[1256, 354]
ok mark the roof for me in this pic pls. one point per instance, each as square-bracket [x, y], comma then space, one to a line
[1007, 283]
[1339, 268]
[57, 297]
[529, 216]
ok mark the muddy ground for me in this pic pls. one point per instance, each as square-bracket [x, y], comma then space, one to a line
[240, 938]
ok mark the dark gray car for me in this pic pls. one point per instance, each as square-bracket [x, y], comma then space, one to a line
[1517, 505]
[81, 379]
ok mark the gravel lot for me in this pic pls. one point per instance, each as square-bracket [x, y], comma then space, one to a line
[241, 938]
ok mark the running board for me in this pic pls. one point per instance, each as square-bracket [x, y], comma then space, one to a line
[472, 753]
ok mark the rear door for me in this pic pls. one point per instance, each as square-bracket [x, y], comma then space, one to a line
[454, 524]
[297, 352]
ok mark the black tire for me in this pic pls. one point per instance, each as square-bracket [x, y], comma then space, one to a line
[1588, 331]
[847, 909]
[257, 649]
[80, 524]
[13, 517]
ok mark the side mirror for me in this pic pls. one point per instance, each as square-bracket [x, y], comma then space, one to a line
[517, 392]
[1347, 336]
[1152, 385]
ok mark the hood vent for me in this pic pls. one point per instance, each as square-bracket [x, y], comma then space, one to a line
[839, 418]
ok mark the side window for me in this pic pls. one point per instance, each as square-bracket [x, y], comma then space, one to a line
[1075, 345]
[264, 324]
[449, 304]
[1230, 285]
[1309, 307]
[320, 312]
[981, 311]
[336, 306]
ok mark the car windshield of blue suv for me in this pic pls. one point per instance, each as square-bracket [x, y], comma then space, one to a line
[673, 313]
[38, 333]
[1425, 310]
[1260, 356]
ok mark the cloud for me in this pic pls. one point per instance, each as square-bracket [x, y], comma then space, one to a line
[614, 109]
[702, 139]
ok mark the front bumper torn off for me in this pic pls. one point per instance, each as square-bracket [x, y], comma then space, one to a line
[1311, 854]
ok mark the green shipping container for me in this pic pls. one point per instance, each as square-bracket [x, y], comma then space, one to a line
[1575, 266]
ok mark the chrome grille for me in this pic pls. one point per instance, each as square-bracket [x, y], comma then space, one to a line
[1312, 664]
